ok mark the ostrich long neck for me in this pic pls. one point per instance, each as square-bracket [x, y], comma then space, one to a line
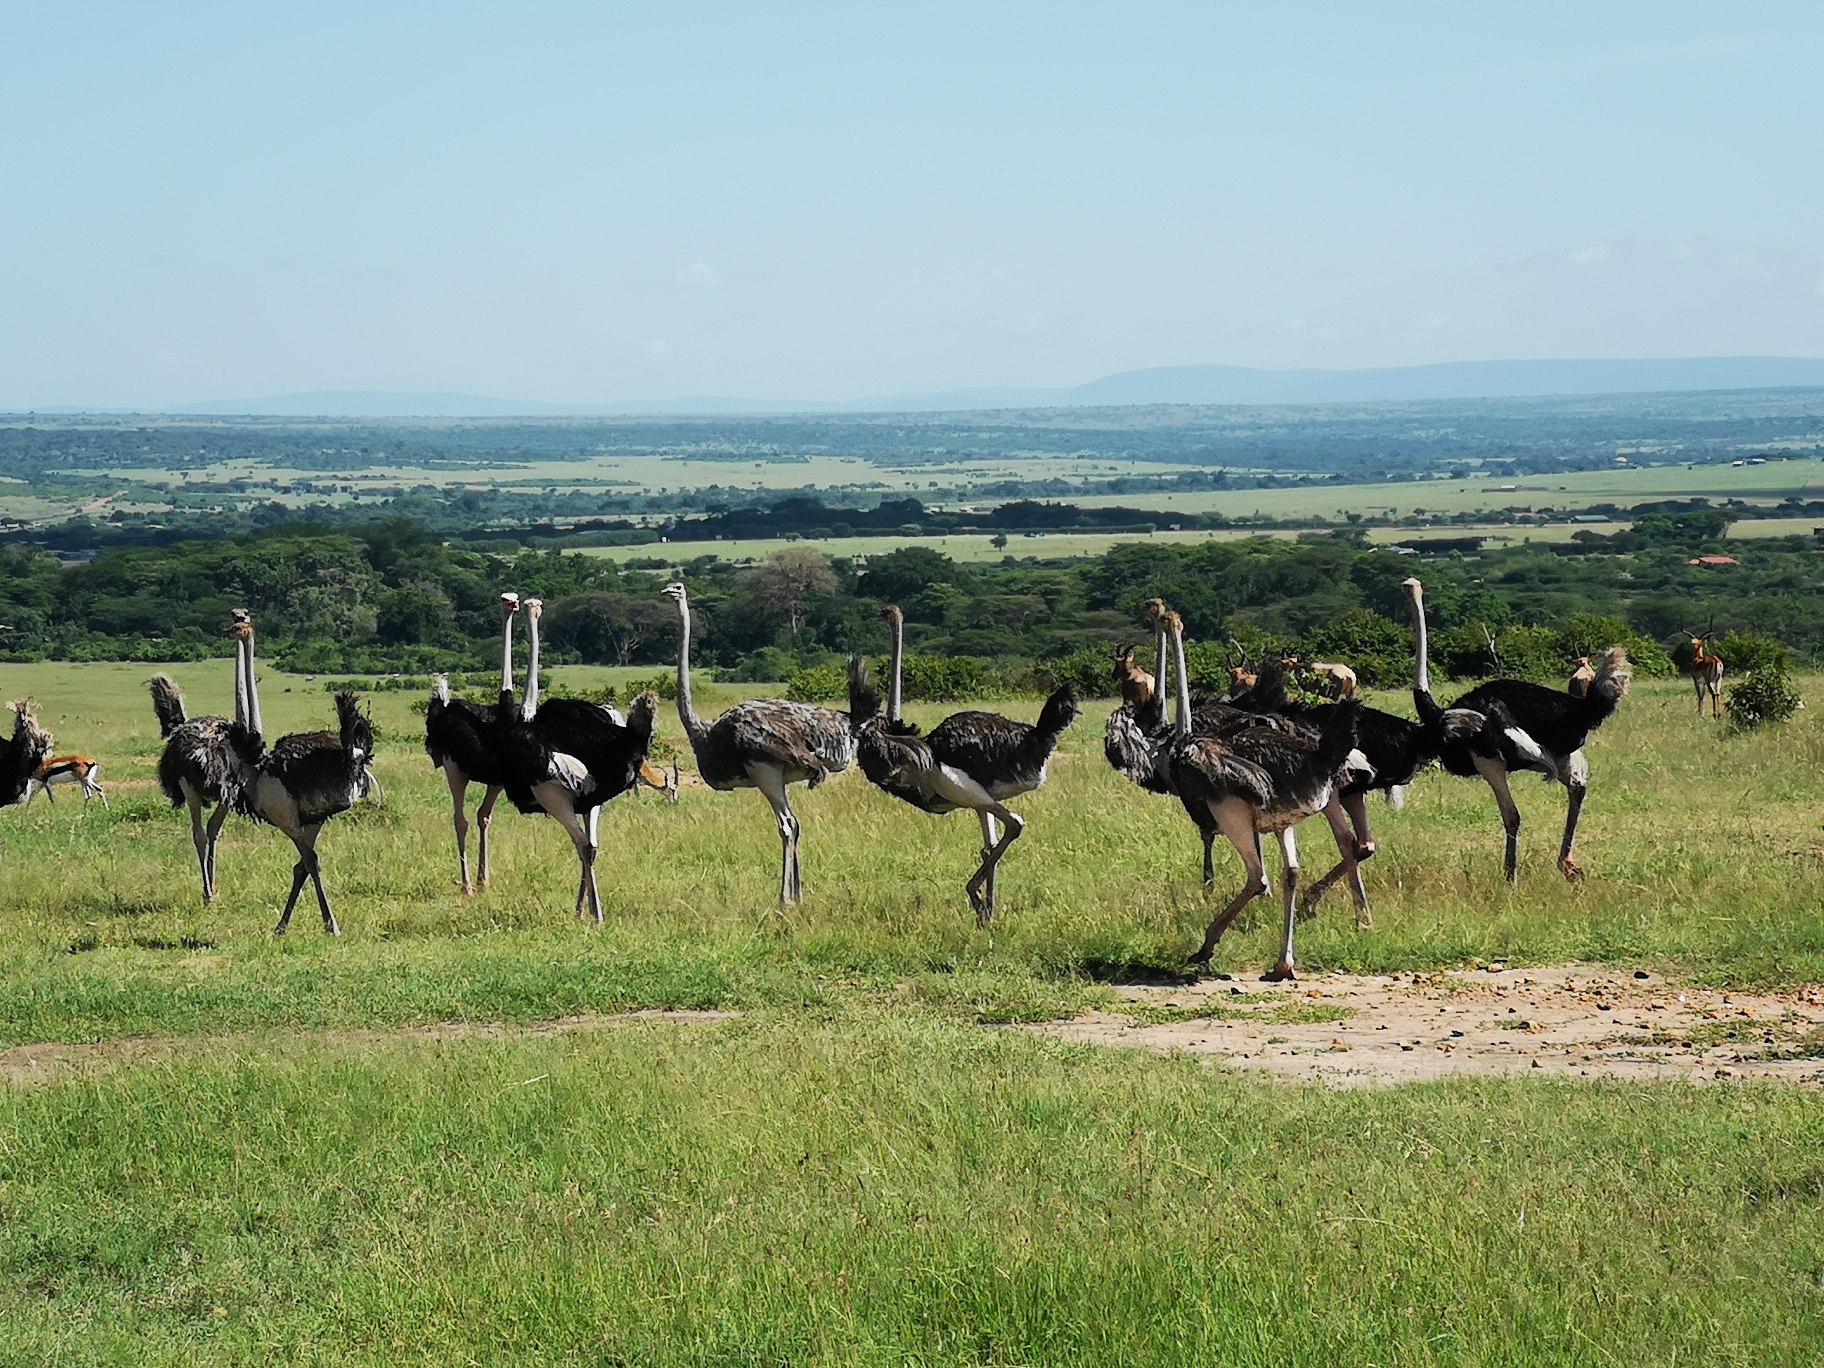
[253, 691]
[1162, 681]
[506, 659]
[693, 725]
[899, 657]
[530, 708]
[1421, 678]
[240, 680]
[1182, 719]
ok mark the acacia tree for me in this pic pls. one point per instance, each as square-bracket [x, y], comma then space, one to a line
[788, 581]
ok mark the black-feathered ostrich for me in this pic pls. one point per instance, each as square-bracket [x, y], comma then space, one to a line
[1396, 749]
[1138, 727]
[566, 757]
[456, 737]
[764, 743]
[302, 781]
[1544, 731]
[23, 754]
[197, 767]
[1255, 780]
[1000, 757]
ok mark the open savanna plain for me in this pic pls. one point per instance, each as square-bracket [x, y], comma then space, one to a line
[715, 1132]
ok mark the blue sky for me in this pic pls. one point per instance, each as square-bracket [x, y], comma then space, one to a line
[599, 202]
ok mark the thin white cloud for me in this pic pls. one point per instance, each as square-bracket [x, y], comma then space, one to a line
[659, 347]
[699, 273]
[1590, 256]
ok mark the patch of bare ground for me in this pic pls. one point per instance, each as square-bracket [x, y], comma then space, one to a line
[24, 1065]
[1356, 1030]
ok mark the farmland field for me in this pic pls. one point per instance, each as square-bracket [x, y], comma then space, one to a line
[448, 1136]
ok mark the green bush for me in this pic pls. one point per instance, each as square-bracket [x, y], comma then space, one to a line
[1762, 696]
[1380, 652]
[1751, 653]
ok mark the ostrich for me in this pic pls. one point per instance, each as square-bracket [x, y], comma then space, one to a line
[1004, 757]
[1541, 729]
[21, 757]
[302, 781]
[456, 739]
[567, 757]
[764, 743]
[197, 768]
[1396, 749]
[1255, 780]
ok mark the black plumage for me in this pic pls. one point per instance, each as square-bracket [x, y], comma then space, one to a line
[1243, 778]
[302, 780]
[972, 760]
[764, 743]
[196, 770]
[566, 757]
[1530, 727]
[457, 737]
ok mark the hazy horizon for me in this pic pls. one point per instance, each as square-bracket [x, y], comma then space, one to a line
[822, 205]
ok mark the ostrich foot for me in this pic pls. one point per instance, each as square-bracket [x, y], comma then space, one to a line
[1364, 919]
[1201, 957]
[1364, 851]
[1572, 870]
[1279, 973]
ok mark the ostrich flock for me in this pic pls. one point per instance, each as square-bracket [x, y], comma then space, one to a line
[1249, 763]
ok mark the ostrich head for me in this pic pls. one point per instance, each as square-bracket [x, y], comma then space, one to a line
[675, 592]
[534, 607]
[893, 614]
[240, 623]
[1153, 610]
[1414, 590]
[509, 604]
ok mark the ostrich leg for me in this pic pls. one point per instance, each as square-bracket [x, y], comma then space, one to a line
[1496, 775]
[1236, 821]
[316, 880]
[484, 818]
[299, 873]
[211, 835]
[1575, 776]
[991, 837]
[1288, 848]
[1348, 865]
[770, 780]
[198, 838]
[981, 886]
[459, 820]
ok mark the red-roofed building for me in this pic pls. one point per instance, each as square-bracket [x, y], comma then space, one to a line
[1714, 562]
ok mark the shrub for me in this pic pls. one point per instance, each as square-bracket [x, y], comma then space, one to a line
[1380, 652]
[1751, 653]
[1762, 696]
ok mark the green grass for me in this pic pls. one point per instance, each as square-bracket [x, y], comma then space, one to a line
[858, 1169]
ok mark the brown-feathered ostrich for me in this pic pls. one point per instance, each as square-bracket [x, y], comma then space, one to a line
[764, 743]
[1002, 757]
[456, 737]
[21, 757]
[1543, 730]
[197, 767]
[305, 779]
[1255, 780]
[566, 757]
[1138, 728]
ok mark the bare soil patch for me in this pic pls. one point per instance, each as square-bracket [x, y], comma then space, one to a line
[24, 1065]
[1366, 1030]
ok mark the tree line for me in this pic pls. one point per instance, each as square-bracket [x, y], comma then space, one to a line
[390, 596]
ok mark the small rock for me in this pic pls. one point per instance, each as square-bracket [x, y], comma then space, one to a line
[1457, 1033]
[1641, 974]
[1602, 1006]
[1537, 1064]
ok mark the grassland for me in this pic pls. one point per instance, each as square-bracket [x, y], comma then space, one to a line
[268, 1157]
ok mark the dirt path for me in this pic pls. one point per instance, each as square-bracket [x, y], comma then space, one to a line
[1350, 1030]
[24, 1065]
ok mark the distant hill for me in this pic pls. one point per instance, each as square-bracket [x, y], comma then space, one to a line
[1162, 385]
